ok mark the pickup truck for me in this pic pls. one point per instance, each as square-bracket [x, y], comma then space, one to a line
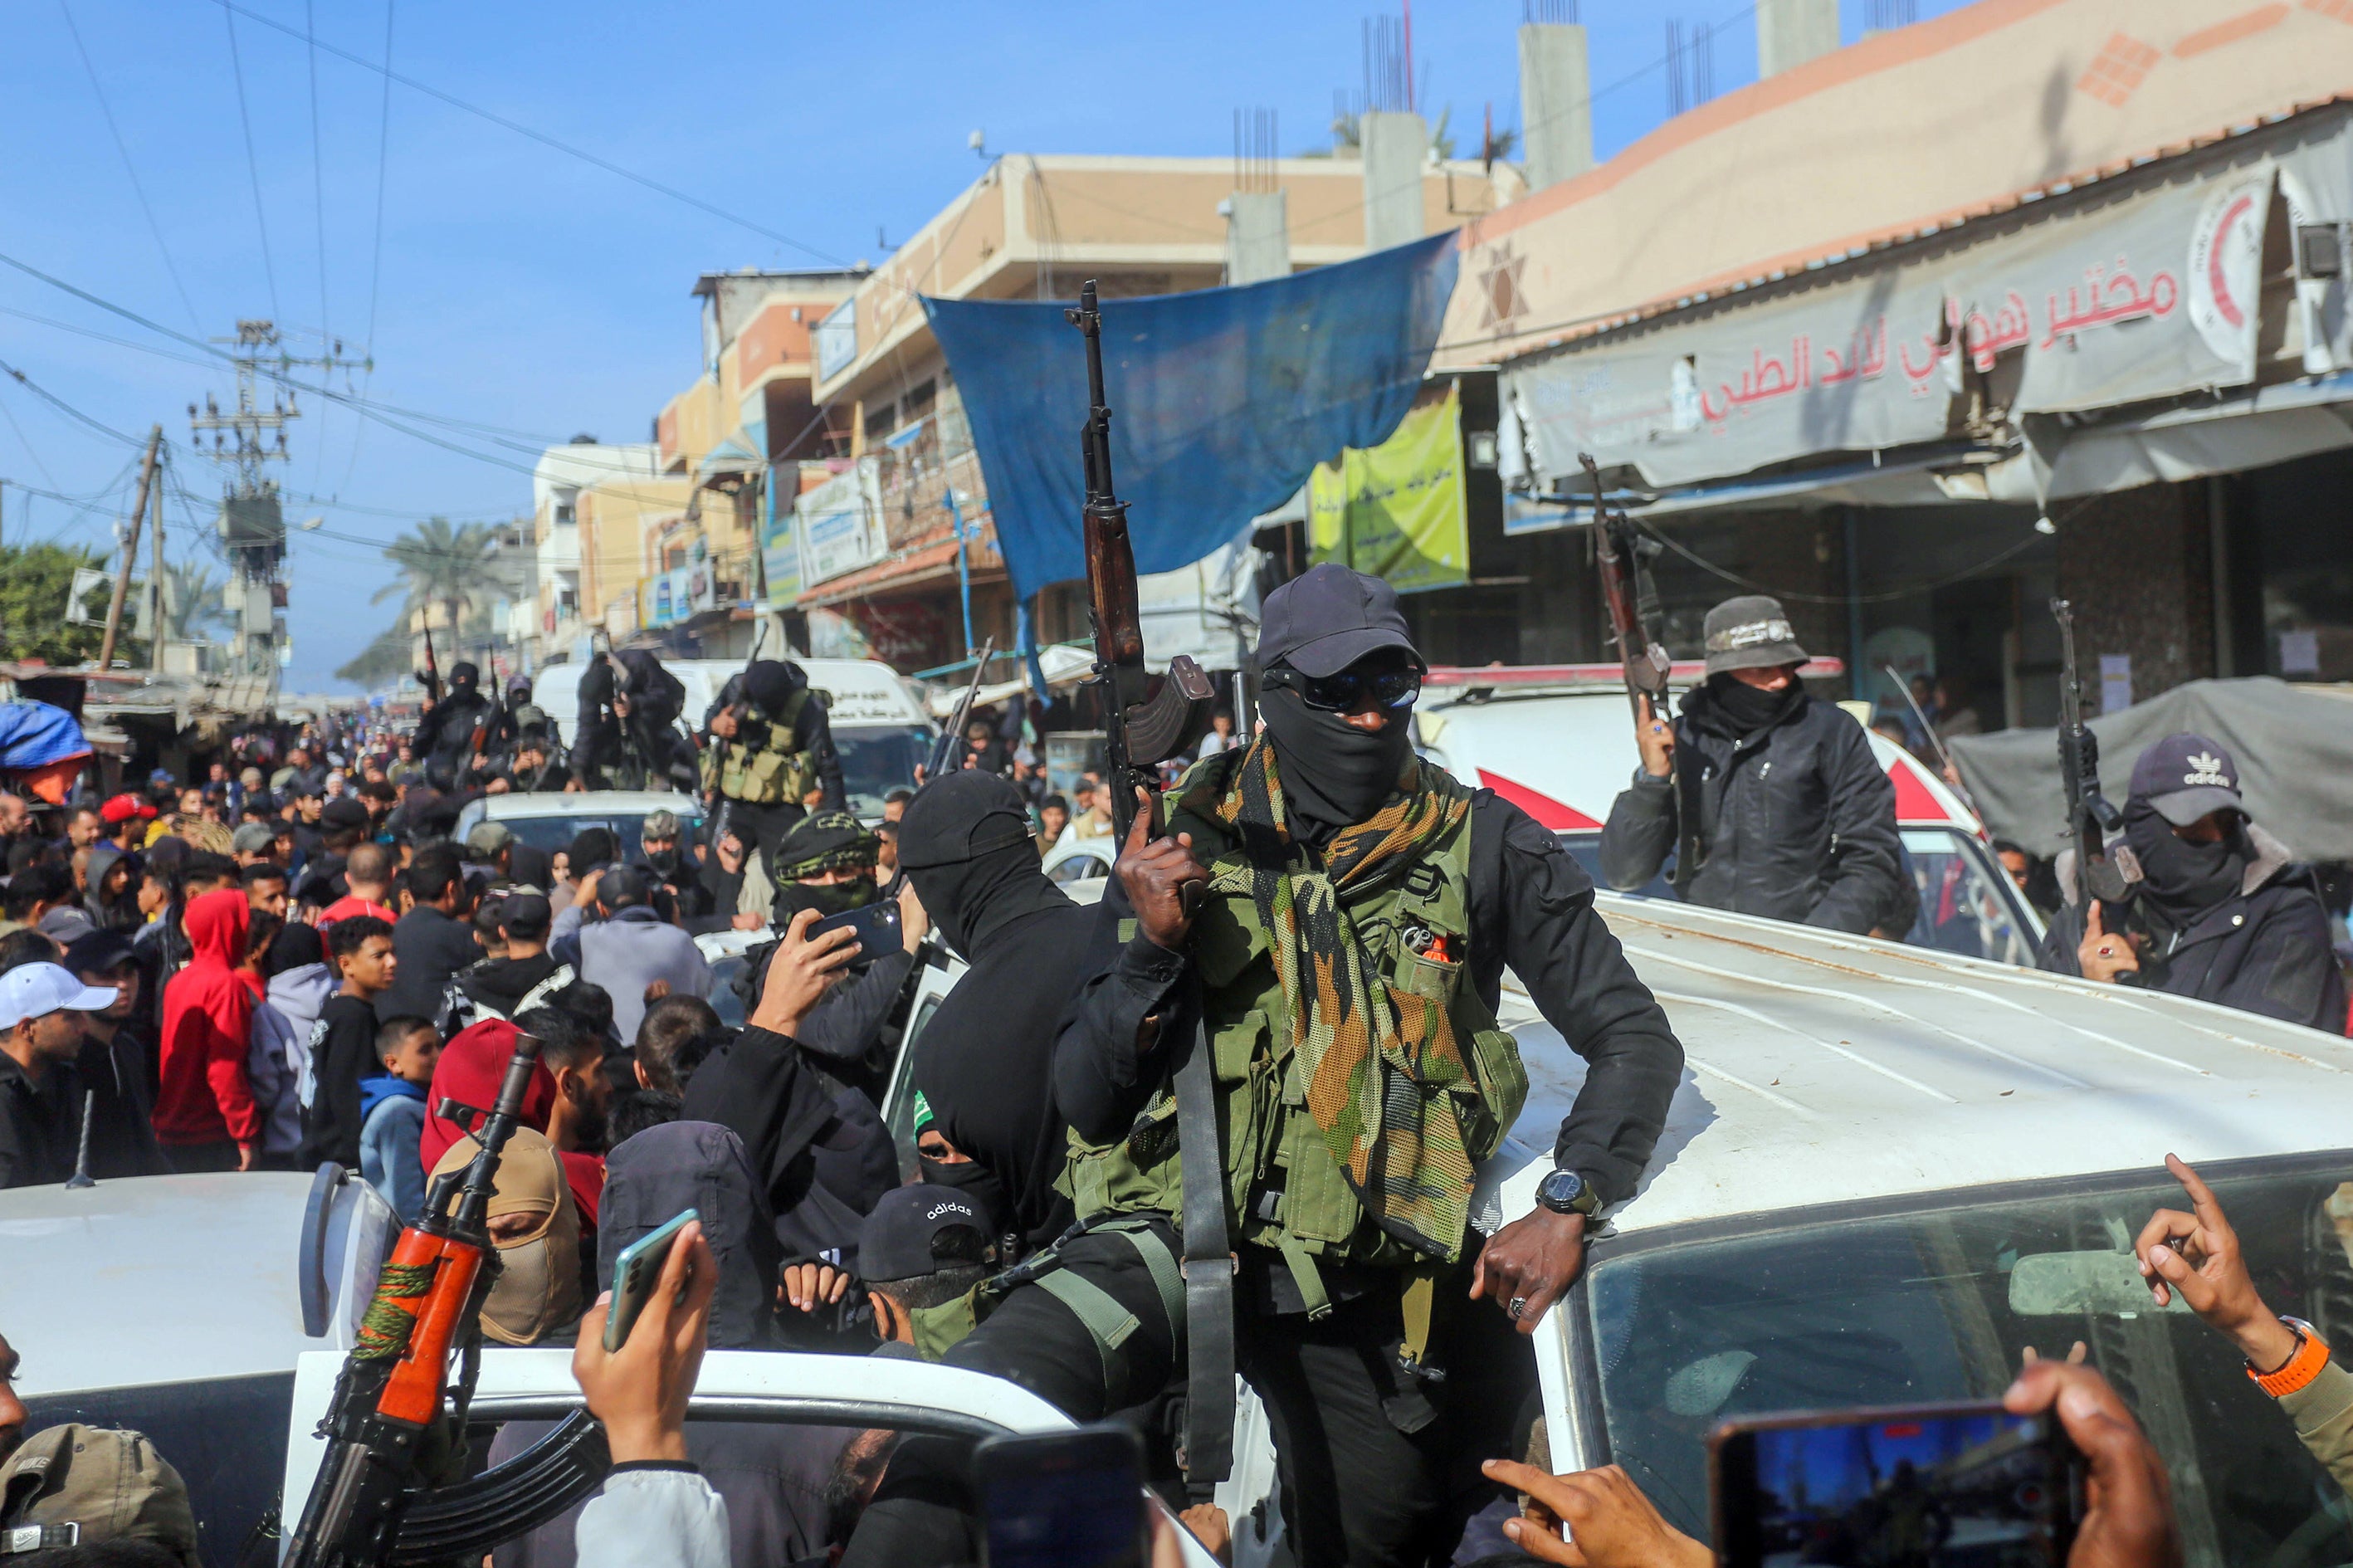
[1887, 1171]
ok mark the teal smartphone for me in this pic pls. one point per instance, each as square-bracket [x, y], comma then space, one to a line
[635, 1274]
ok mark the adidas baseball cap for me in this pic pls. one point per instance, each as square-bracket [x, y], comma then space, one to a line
[2186, 777]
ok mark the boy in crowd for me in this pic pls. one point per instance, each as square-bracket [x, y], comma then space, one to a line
[342, 1043]
[392, 1112]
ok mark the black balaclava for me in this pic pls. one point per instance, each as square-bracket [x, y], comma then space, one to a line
[464, 676]
[966, 844]
[825, 897]
[976, 1182]
[769, 683]
[1735, 709]
[2183, 880]
[590, 848]
[1333, 775]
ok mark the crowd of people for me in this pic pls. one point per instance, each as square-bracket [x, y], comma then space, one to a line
[295, 961]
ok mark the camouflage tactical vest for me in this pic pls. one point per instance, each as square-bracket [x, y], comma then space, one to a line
[1283, 1188]
[771, 773]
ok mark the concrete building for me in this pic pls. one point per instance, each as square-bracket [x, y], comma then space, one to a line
[590, 505]
[2041, 296]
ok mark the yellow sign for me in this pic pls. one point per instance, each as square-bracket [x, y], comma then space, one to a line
[1398, 511]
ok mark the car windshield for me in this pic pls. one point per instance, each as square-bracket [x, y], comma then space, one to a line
[1962, 908]
[556, 832]
[1939, 1303]
[876, 759]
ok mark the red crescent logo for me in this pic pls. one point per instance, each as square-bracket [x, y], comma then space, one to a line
[2227, 306]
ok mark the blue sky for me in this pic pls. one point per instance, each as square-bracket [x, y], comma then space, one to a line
[520, 288]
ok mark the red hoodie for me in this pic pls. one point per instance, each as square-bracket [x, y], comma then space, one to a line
[207, 1023]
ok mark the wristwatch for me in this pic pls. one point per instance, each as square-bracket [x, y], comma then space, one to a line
[2298, 1369]
[1567, 1192]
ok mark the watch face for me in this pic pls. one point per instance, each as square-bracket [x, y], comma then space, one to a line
[1561, 1189]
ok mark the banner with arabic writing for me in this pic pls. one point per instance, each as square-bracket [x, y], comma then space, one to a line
[1399, 510]
[2151, 295]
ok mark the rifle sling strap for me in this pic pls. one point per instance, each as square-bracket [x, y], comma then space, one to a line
[1209, 1270]
[1691, 790]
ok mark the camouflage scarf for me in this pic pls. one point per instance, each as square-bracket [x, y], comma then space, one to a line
[1381, 1065]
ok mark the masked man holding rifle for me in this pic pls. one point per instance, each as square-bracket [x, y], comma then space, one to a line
[768, 744]
[1796, 820]
[1342, 968]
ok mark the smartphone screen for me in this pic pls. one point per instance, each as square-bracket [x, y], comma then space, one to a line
[1064, 1500]
[636, 1273]
[1953, 1484]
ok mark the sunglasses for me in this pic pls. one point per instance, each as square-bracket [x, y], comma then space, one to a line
[1350, 690]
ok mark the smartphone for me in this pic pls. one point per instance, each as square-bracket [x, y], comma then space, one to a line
[1064, 1500]
[636, 1273]
[876, 924]
[1927, 1484]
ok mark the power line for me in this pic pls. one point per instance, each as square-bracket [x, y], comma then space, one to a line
[542, 137]
[376, 262]
[252, 163]
[318, 181]
[129, 168]
[30, 450]
[53, 400]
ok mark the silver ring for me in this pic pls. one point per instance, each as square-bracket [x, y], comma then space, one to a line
[1519, 1305]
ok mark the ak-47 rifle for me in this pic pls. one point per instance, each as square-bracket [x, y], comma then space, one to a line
[953, 737]
[2101, 872]
[1630, 597]
[1146, 721]
[395, 1426]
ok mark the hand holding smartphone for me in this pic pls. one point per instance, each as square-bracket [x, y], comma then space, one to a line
[876, 927]
[636, 1273]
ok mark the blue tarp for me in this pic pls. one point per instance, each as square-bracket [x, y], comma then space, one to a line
[1222, 400]
[34, 734]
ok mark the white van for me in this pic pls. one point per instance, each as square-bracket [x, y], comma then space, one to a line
[879, 725]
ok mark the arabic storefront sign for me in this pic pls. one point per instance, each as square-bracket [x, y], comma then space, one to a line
[841, 523]
[1398, 511]
[780, 544]
[2151, 295]
[678, 594]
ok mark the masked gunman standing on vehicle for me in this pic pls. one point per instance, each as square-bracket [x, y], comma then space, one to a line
[767, 745]
[1343, 968]
[1796, 819]
[626, 737]
[445, 735]
[2220, 912]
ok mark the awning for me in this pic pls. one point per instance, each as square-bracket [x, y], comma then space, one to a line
[2147, 292]
[729, 459]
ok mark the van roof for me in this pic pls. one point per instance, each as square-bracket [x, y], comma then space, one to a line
[1822, 1068]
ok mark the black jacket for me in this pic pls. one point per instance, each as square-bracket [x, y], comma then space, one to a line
[343, 1052]
[433, 949]
[2266, 952]
[123, 1131]
[444, 737]
[1798, 823]
[39, 1127]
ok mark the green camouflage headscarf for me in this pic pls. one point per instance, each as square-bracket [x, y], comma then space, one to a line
[1381, 1065]
[828, 841]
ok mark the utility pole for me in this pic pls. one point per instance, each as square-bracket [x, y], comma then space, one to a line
[155, 620]
[131, 552]
[252, 521]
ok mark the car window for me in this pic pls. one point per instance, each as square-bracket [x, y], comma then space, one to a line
[724, 1000]
[1078, 868]
[1940, 1303]
[556, 832]
[878, 759]
[226, 1437]
[1587, 850]
[1964, 905]
[899, 1100]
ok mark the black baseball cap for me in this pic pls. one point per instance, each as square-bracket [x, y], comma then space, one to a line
[98, 952]
[1327, 618]
[960, 817]
[2186, 777]
[898, 1241]
[342, 812]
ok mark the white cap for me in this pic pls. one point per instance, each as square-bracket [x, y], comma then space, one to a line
[35, 991]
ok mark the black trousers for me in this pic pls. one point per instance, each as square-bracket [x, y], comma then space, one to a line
[1357, 1488]
[760, 827]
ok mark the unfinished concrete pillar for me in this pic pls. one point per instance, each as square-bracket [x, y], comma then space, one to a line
[1556, 102]
[1395, 146]
[1258, 237]
[1791, 32]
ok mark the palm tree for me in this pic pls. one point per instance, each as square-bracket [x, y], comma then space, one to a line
[193, 601]
[438, 564]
